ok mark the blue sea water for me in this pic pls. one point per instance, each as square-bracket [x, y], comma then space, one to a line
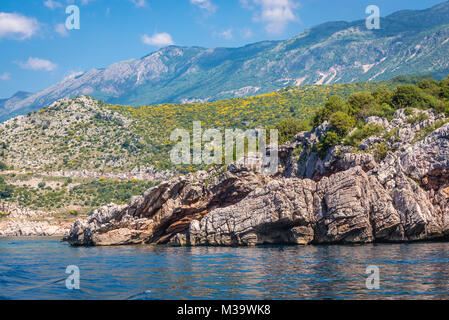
[35, 269]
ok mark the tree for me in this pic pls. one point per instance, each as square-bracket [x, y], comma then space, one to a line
[342, 123]
[444, 91]
[328, 140]
[6, 190]
[407, 96]
[359, 100]
[333, 104]
[288, 128]
[383, 95]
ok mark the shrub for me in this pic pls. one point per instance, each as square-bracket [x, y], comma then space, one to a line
[330, 139]
[420, 117]
[6, 191]
[444, 91]
[363, 133]
[382, 95]
[383, 111]
[3, 166]
[407, 96]
[359, 100]
[430, 87]
[408, 111]
[443, 108]
[288, 128]
[342, 123]
[381, 151]
[333, 104]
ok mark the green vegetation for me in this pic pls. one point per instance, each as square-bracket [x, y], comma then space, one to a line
[361, 133]
[3, 166]
[420, 117]
[341, 123]
[91, 135]
[381, 151]
[6, 191]
[288, 128]
[427, 130]
[60, 194]
[345, 115]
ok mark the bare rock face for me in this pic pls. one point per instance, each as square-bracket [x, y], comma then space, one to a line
[167, 209]
[344, 197]
[23, 222]
[280, 212]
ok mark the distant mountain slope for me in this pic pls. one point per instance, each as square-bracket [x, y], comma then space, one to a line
[409, 42]
[86, 134]
[8, 107]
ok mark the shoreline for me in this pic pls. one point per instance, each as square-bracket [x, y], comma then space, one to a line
[62, 239]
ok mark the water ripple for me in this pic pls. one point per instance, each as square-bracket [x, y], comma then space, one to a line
[35, 269]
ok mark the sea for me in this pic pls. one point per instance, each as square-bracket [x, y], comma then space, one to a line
[48, 269]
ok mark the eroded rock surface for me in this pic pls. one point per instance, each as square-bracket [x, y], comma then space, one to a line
[23, 222]
[344, 197]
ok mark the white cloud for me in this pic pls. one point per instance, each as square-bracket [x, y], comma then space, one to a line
[38, 64]
[246, 33]
[83, 2]
[158, 39]
[276, 14]
[139, 3]
[5, 76]
[17, 26]
[52, 4]
[205, 5]
[227, 34]
[62, 30]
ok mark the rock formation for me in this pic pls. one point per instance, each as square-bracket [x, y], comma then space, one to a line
[17, 221]
[343, 197]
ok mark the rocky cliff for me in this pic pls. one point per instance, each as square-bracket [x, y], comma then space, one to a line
[345, 196]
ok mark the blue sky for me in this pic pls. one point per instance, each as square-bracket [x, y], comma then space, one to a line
[36, 50]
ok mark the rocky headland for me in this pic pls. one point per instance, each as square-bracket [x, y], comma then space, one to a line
[346, 195]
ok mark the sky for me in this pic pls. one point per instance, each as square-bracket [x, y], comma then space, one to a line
[37, 49]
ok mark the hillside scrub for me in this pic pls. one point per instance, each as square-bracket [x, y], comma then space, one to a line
[3, 166]
[86, 134]
[57, 194]
[288, 128]
[346, 115]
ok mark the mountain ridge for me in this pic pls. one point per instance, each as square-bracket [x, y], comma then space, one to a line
[409, 41]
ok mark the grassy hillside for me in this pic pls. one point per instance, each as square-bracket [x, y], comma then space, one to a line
[86, 134]
[83, 133]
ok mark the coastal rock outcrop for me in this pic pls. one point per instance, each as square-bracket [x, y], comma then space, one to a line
[23, 222]
[343, 197]
[167, 209]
